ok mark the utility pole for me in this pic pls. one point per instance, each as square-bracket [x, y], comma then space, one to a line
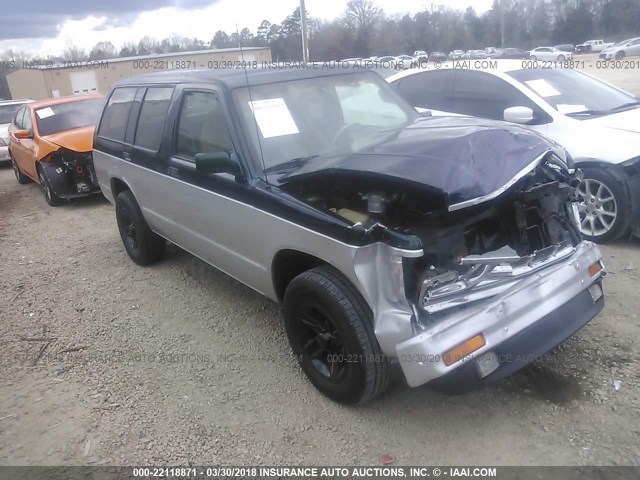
[502, 23]
[303, 26]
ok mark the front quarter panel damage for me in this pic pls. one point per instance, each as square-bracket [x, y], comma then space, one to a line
[379, 269]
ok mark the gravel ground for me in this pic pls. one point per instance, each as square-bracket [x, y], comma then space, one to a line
[105, 362]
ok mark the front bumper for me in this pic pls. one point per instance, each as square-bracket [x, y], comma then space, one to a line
[549, 303]
[526, 346]
[68, 182]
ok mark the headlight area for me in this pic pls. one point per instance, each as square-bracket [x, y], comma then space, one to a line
[497, 287]
[71, 174]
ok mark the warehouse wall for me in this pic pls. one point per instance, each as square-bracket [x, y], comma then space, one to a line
[57, 81]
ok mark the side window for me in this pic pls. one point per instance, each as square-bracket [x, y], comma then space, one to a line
[429, 90]
[480, 94]
[26, 120]
[152, 116]
[17, 120]
[201, 126]
[116, 114]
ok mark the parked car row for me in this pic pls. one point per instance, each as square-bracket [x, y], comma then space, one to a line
[377, 228]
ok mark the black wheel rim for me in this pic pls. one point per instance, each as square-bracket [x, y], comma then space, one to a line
[45, 186]
[129, 235]
[320, 342]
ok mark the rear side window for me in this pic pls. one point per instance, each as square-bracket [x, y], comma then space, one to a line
[152, 116]
[201, 126]
[429, 90]
[116, 114]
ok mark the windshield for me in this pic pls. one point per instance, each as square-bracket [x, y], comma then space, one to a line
[573, 93]
[66, 116]
[334, 115]
[8, 111]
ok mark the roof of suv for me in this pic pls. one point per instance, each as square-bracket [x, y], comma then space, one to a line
[238, 77]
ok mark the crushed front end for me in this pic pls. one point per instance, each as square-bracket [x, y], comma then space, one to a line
[465, 294]
[71, 174]
[500, 283]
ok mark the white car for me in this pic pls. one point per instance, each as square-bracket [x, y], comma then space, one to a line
[549, 54]
[627, 48]
[597, 123]
[8, 109]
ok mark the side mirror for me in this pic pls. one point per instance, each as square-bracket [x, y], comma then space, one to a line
[217, 162]
[521, 115]
[424, 112]
[22, 134]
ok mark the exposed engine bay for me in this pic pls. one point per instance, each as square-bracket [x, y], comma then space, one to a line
[480, 246]
[71, 173]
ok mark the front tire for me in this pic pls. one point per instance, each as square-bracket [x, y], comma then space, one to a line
[330, 331]
[561, 58]
[604, 209]
[20, 177]
[143, 246]
[49, 195]
[620, 55]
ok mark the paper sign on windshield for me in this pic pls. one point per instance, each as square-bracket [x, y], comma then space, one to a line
[542, 88]
[273, 117]
[565, 108]
[44, 113]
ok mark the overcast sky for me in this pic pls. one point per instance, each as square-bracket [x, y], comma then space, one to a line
[46, 26]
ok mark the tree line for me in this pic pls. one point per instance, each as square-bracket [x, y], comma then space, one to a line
[364, 30]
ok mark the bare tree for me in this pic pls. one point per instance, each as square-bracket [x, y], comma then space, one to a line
[72, 52]
[363, 17]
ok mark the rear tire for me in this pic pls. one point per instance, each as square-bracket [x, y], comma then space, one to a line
[143, 245]
[604, 210]
[49, 195]
[330, 331]
[20, 177]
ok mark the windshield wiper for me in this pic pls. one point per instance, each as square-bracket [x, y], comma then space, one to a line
[587, 113]
[624, 106]
[605, 112]
[294, 163]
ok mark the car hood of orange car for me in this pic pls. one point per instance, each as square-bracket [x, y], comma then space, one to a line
[78, 139]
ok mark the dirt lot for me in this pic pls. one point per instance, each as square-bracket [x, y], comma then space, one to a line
[104, 362]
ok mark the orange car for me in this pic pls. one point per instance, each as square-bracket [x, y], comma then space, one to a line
[50, 142]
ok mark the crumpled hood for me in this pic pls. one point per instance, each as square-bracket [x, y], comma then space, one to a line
[77, 139]
[469, 160]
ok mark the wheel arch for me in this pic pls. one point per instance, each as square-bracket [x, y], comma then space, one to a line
[287, 264]
[118, 186]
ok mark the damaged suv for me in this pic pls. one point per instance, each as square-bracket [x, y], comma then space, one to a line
[449, 246]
